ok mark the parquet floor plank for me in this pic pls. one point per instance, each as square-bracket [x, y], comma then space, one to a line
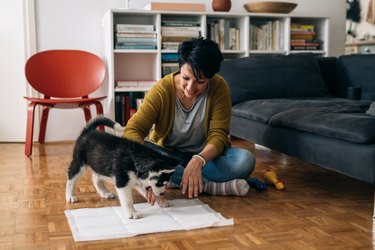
[319, 209]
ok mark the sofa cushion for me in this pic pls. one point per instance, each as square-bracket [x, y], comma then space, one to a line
[337, 122]
[358, 71]
[273, 76]
[262, 110]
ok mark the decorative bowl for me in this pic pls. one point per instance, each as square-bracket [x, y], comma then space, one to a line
[270, 7]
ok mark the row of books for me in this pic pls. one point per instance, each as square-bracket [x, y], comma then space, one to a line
[267, 35]
[173, 32]
[223, 33]
[126, 104]
[169, 63]
[303, 37]
[135, 36]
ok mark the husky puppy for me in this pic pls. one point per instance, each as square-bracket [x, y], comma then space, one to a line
[129, 164]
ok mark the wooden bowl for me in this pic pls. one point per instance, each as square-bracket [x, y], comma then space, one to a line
[270, 7]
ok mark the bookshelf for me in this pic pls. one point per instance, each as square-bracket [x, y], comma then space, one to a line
[238, 34]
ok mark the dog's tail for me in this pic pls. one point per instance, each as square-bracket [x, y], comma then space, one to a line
[101, 121]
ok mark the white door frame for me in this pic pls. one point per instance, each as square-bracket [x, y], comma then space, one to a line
[30, 34]
[18, 43]
[31, 49]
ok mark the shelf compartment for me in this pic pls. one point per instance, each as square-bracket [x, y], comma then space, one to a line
[135, 66]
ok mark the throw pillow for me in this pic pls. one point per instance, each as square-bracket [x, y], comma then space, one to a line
[273, 76]
[357, 71]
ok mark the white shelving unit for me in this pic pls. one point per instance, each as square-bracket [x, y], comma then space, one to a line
[147, 64]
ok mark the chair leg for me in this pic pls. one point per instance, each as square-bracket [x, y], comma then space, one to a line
[29, 129]
[86, 110]
[43, 124]
[373, 213]
[99, 111]
[99, 108]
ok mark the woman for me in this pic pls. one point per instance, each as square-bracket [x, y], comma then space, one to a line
[190, 110]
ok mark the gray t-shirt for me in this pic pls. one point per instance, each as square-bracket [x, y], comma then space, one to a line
[188, 133]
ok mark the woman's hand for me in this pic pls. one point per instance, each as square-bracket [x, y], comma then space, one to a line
[192, 178]
[151, 197]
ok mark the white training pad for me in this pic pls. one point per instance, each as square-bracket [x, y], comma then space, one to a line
[109, 222]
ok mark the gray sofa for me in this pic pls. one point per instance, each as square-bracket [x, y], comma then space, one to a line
[298, 105]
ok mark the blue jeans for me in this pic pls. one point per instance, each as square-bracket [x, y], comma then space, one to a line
[233, 163]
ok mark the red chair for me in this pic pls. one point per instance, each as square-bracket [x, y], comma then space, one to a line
[65, 78]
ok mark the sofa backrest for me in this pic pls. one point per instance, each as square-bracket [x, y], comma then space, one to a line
[273, 76]
[357, 71]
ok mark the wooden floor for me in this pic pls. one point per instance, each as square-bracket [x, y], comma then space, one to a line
[319, 209]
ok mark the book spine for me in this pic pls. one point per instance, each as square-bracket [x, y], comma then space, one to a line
[221, 33]
[134, 27]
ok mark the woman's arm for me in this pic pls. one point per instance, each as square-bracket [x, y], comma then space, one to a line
[219, 115]
[218, 118]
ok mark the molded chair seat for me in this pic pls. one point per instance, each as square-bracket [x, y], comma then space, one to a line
[65, 103]
[65, 78]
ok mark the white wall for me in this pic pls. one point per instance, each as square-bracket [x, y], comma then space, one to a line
[77, 24]
[13, 50]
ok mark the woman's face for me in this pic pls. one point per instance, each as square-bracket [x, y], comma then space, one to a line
[191, 86]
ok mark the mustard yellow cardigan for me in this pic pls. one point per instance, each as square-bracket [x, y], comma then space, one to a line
[158, 108]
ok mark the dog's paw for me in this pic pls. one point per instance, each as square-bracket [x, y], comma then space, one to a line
[109, 195]
[71, 199]
[163, 202]
[134, 215]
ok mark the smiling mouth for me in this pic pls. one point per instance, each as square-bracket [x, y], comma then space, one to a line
[189, 92]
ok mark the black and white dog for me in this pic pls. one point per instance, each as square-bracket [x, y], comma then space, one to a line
[129, 164]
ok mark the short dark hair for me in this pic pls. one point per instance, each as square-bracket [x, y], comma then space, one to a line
[202, 55]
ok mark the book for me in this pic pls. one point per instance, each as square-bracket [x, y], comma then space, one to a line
[125, 109]
[131, 46]
[126, 83]
[135, 83]
[302, 26]
[175, 6]
[179, 28]
[134, 27]
[305, 44]
[138, 40]
[170, 45]
[302, 33]
[176, 38]
[304, 47]
[136, 34]
[180, 23]
[181, 32]
[302, 36]
[118, 108]
[306, 40]
[170, 57]
[221, 34]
